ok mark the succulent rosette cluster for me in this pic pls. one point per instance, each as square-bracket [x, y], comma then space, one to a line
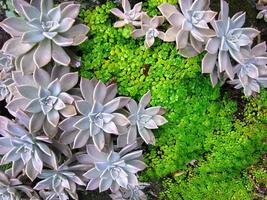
[41, 32]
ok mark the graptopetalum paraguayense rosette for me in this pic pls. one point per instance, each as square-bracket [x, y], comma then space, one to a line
[60, 183]
[189, 28]
[45, 97]
[229, 42]
[112, 170]
[128, 16]
[142, 120]
[98, 115]
[149, 29]
[12, 188]
[26, 151]
[41, 32]
[252, 71]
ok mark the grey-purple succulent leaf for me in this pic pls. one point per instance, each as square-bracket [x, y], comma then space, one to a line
[149, 29]
[40, 34]
[24, 147]
[112, 171]
[128, 15]
[12, 188]
[131, 193]
[263, 11]
[7, 86]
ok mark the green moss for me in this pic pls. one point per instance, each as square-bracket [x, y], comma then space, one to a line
[201, 124]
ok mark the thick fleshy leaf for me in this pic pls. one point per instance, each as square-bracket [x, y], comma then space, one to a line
[30, 12]
[36, 122]
[46, 5]
[59, 55]
[81, 139]
[53, 117]
[55, 14]
[83, 107]
[71, 11]
[16, 24]
[30, 171]
[68, 111]
[34, 106]
[32, 36]
[105, 184]
[62, 41]
[27, 65]
[68, 81]
[42, 55]
[41, 77]
[28, 91]
[77, 33]
[99, 140]
[16, 47]
[208, 63]
[93, 184]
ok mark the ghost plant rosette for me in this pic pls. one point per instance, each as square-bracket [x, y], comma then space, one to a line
[128, 16]
[112, 170]
[98, 115]
[149, 29]
[252, 71]
[45, 98]
[26, 151]
[142, 120]
[189, 28]
[41, 32]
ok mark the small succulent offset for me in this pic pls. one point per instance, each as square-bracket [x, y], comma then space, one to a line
[149, 29]
[132, 193]
[45, 97]
[112, 170]
[42, 32]
[12, 188]
[252, 71]
[263, 12]
[230, 41]
[6, 86]
[59, 183]
[27, 152]
[6, 62]
[142, 120]
[128, 16]
[190, 28]
[98, 115]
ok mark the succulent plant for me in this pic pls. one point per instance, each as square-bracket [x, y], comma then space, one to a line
[252, 71]
[190, 28]
[142, 120]
[112, 170]
[263, 12]
[230, 41]
[45, 97]
[6, 62]
[41, 33]
[128, 16]
[7, 86]
[13, 189]
[27, 152]
[132, 193]
[59, 183]
[149, 29]
[98, 115]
